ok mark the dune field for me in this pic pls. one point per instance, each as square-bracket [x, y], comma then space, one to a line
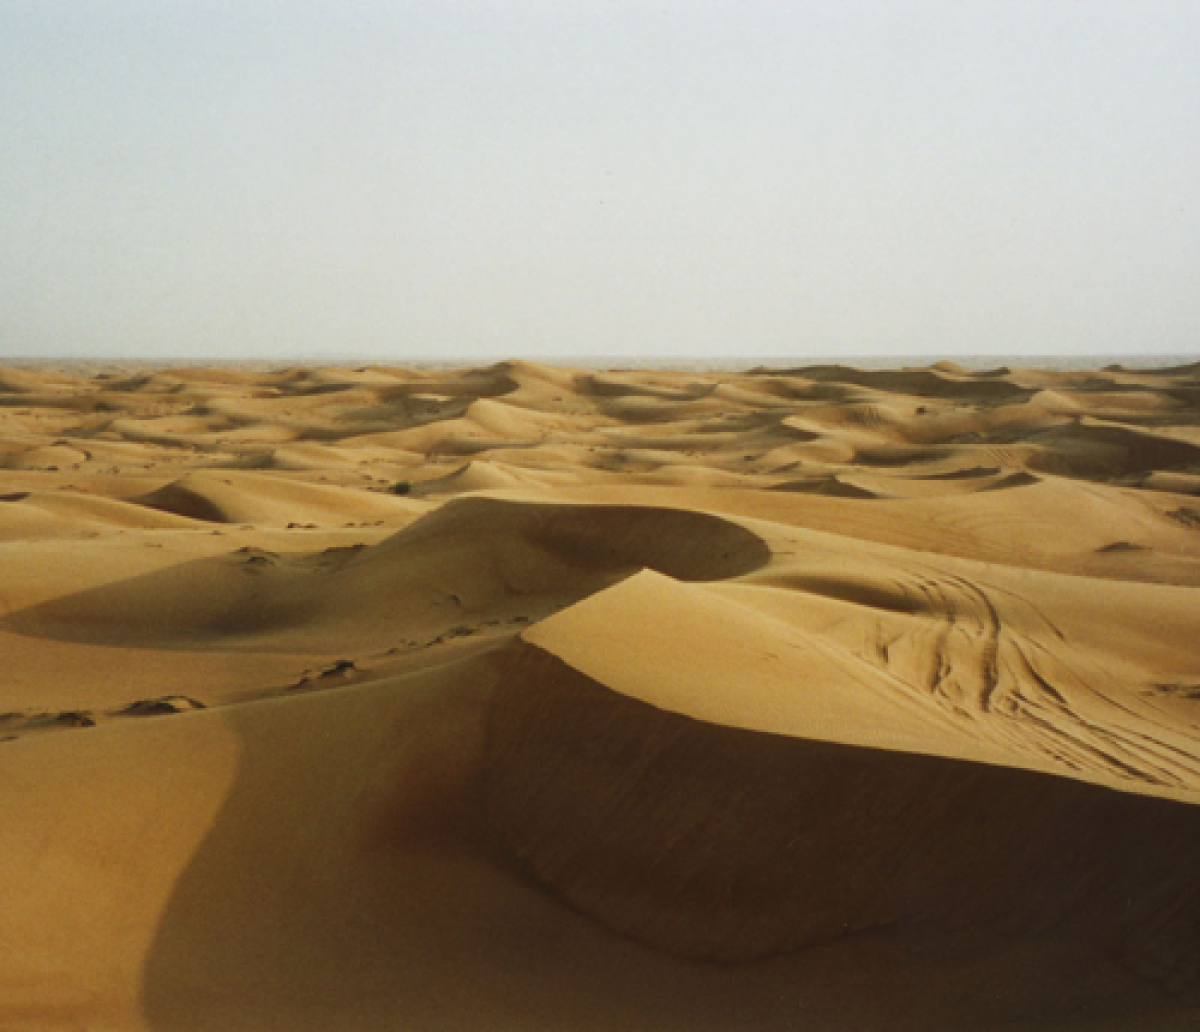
[532, 698]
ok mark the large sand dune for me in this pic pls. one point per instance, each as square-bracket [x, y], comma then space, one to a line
[522, 697]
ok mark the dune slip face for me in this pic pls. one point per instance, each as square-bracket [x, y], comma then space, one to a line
[527, 697]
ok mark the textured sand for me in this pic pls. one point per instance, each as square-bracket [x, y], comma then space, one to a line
[819, 699]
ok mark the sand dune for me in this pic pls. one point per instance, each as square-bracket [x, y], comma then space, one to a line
[525, 697]
[246, 498]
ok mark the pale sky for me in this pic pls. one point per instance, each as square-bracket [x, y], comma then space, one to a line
[502, 178]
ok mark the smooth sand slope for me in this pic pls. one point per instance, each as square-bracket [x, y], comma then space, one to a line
[821, 699]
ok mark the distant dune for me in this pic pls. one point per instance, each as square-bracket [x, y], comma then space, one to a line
[538, 698]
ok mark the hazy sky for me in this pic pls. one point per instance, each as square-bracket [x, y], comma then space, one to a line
[236, 178]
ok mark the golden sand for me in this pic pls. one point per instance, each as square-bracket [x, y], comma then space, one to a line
[533, 698]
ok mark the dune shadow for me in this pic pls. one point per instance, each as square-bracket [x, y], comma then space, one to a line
[728, 844]
[214, 602]
[194, 605]
[512, 846]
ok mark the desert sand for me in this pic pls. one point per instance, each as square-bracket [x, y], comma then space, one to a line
[534, 698]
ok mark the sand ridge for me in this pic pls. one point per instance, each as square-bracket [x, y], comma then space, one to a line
[819, 697]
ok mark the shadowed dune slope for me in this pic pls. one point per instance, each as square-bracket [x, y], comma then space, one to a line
[471, 560]
[247, 498]
[342, 859]
[728, 845]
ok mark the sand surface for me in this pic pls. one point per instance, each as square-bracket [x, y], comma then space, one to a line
[818, 699]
